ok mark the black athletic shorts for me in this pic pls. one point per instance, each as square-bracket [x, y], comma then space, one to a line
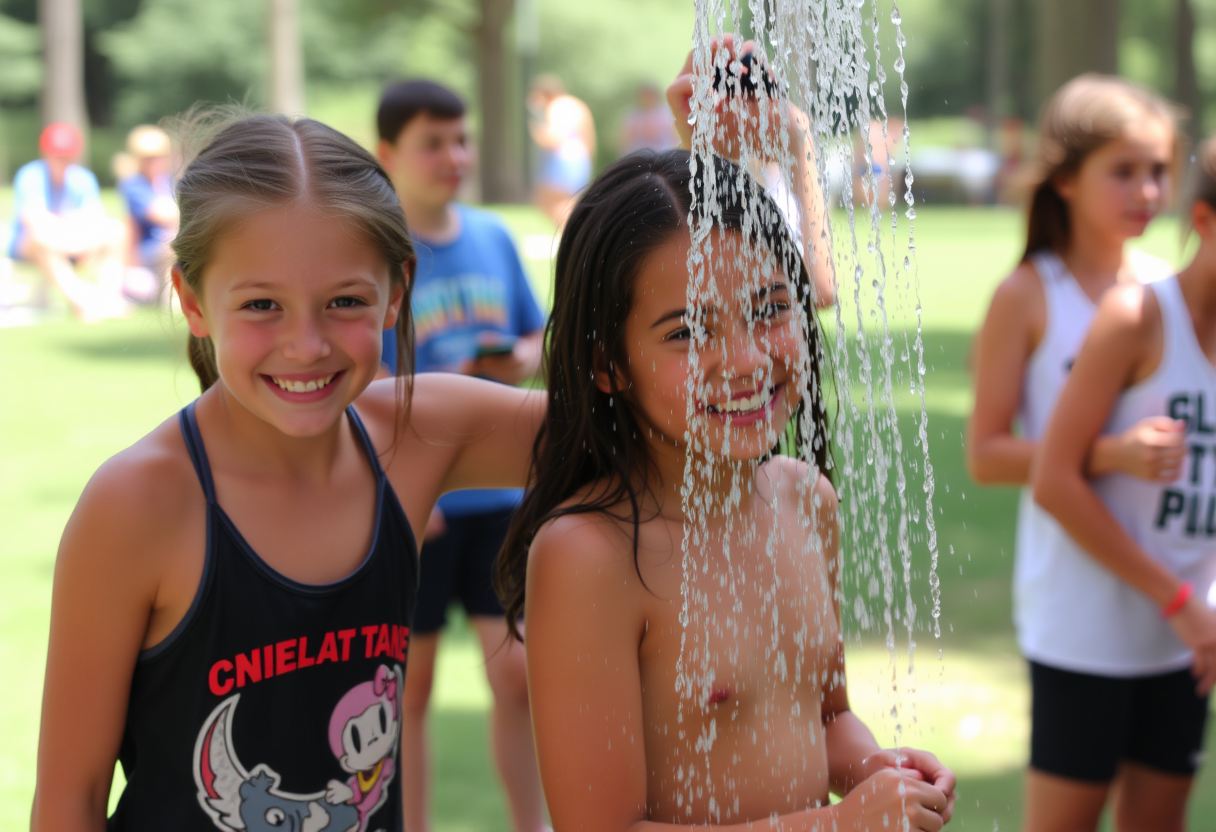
[458, 565]
[1083, 726]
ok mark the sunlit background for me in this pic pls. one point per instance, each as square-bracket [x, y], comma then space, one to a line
[71, 395]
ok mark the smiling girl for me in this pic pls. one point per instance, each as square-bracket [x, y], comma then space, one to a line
[232, 577]
[623, 741]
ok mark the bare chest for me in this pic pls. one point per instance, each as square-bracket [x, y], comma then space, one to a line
[733, 677]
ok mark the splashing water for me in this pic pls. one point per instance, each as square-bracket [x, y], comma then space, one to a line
[776, 611]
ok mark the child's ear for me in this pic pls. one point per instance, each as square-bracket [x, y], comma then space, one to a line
[1203, 220]
[396, 296]
[384, 153]
[605, 373]
[191, 306]
[1063, 185]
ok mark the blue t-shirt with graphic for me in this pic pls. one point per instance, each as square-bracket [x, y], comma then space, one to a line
[464, 290]
[34, 191]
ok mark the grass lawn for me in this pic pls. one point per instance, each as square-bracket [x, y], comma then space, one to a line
[75, 395]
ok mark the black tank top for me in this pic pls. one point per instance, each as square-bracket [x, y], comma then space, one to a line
[274, 704]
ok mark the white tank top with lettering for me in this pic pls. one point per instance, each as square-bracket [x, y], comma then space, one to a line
[1053, 576]
[1175, 522]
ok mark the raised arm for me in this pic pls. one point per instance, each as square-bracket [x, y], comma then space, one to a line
[1124, 341]
[803, 178]
[813, 210]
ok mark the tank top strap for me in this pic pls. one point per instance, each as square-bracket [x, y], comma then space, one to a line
[1050, 268]
[1177, 329]
[198, 454]
[368, 447]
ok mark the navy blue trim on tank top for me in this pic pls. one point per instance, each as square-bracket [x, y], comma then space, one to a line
[198, 458]
[215, 513]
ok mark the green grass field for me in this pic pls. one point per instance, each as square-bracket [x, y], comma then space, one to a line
[74, 395]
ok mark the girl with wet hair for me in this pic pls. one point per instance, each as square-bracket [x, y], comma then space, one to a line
[225, 582]
[625, 739]
[1107, 154]
[1131, 720]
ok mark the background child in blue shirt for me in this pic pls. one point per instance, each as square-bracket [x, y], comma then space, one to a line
[148, 193]
[474, 314]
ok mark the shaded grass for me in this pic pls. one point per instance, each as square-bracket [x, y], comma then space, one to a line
[75, 395]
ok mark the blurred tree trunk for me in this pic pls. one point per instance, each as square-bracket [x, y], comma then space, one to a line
[286, 58]
[1186, 84]
[501, 179]
[63, 57]
[1075, 36]
[998, 69]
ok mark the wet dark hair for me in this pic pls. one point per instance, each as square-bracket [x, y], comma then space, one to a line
[259, 161]
[1084, 115]
[404, 101]
[632, 209]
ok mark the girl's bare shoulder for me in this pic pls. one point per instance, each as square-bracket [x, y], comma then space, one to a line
[592, 537]
[1020, 293]
[137, 499]
[799, 480]
[1129, 306]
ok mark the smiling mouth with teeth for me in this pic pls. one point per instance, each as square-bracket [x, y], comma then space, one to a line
[747, 404]
[302, 386]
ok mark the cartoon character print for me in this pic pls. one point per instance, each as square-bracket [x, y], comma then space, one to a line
[363, 734]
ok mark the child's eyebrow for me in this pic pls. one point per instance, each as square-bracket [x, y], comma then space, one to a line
[667, 316]
[256, 284]
[771, 289]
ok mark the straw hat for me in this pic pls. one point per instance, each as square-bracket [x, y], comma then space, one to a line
[147, 141]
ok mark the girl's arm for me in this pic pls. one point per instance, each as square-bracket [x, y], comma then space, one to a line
[1011, 330]
[105, 588]
[812, 206]
[585, 625]
[1015, 322]
[854, 756]
[804, 184]
[1121, 345]
[482, 431]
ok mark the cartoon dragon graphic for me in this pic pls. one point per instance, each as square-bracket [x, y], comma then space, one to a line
[251, 801]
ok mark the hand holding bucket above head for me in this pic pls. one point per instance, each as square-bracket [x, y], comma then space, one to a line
[739, 114]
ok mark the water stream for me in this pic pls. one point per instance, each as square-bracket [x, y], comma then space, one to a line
[827, 58]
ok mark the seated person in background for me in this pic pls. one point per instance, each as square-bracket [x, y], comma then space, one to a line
[475, 314]
[148, 192]
[60, 224]
[564, 130]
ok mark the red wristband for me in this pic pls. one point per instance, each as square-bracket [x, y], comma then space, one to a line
[1185, 590]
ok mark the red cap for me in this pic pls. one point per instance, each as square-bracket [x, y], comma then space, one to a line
[61, 141]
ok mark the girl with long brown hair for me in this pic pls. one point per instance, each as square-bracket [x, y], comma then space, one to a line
[1107, 151]
[594, 555]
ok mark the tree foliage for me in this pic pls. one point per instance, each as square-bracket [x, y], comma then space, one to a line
[20, 45]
